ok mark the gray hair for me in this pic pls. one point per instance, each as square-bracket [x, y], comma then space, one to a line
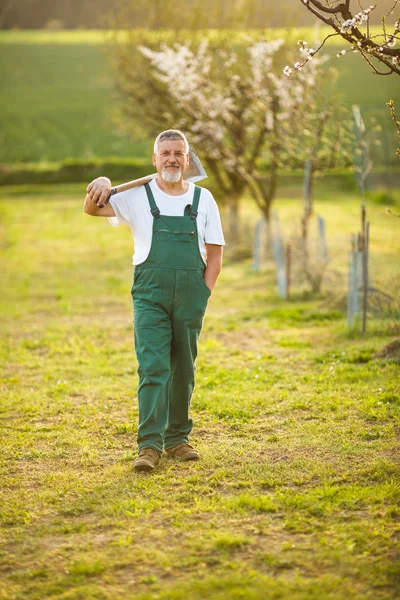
[170, 134]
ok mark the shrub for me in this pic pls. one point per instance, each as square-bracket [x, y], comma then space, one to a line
[382, 197]
[75, 171]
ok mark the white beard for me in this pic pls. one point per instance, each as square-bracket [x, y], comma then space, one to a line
[171, 177]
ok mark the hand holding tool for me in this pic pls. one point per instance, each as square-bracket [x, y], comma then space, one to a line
[195, 172]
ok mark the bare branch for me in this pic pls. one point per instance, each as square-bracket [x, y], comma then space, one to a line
[340, 8]
[393, 7]
[319, 48]
[390, 104]
[376, 72]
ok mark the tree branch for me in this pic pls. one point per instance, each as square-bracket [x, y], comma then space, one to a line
[390, 105]
[340, 8]
[352, 34]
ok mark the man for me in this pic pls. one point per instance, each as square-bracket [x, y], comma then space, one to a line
[178, 256]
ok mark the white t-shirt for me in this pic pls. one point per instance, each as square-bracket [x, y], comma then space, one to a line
[132, 208]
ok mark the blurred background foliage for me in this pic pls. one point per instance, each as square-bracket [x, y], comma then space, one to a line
[59, 95]
[166, 14]
[60, 89]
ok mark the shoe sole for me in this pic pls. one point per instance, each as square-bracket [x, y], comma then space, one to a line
[183, 458]
[144, 467]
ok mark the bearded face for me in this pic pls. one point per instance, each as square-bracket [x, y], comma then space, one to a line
[171, 160]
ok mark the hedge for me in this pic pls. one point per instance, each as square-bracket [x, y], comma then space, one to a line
[74, 171]
[120, 170]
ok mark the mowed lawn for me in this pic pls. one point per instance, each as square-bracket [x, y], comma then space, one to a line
[297, 492]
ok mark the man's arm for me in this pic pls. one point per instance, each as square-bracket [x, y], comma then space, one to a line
[96, 193]
[214, 264]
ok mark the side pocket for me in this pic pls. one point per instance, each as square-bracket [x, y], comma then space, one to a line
[205, 285]
[138, 276]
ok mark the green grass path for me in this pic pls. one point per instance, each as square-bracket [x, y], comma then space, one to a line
[297, 493]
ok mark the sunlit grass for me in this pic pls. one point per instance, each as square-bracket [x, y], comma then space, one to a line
[296, 493]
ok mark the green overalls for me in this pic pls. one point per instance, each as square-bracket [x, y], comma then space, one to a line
[169, 298]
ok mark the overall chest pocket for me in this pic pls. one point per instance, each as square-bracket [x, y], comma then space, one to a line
[176, 248]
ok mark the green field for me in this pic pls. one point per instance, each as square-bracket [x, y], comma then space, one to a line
[100, 37]
[59, 92]
[297, 492]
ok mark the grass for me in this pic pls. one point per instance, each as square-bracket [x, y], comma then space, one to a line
[296, 495]
[57, 104]
[59, 94]
[97, 36]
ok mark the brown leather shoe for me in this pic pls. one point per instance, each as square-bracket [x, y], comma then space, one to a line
[184, 451]
[147, 459]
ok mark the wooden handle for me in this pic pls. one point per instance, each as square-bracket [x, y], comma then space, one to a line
[132, 184]
[126, 186]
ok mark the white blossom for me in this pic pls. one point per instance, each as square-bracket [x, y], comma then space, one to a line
[209, 98]
[391, 41]
[261, 54]
[348, 25]
[358, 19]
[269, 121]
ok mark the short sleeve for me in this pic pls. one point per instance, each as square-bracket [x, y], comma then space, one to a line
[213, 232]
[121, 204]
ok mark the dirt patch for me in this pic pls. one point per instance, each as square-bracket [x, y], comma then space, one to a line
[390, 352]
[273, 341]
[253, 340]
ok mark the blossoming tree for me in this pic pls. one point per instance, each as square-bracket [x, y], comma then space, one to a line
[235, 107]
[378, 49]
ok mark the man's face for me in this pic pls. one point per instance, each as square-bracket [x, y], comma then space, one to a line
[171, 160]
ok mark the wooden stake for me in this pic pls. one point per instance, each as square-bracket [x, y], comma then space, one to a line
[288, 269]
[365, 278]
[363, 221]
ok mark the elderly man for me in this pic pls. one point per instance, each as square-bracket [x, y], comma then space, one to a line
[178, 256]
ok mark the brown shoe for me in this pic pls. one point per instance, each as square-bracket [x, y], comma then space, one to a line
[184, 451]
[147, 459]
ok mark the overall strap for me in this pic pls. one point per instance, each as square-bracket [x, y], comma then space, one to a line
[195, 205]
[155, 211]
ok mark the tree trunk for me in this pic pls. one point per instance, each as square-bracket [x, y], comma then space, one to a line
[234, 232]
[268, 229]
[307, 213]
[308, 208]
